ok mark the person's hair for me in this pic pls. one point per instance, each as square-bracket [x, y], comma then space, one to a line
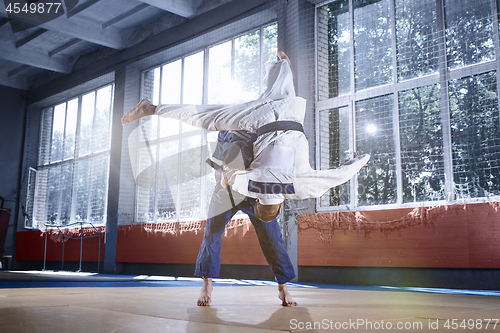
[266, 213]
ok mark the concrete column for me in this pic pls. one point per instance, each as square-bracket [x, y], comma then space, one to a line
[114, 173]
[296, 38]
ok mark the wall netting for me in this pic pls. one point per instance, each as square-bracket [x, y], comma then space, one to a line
[415, 85]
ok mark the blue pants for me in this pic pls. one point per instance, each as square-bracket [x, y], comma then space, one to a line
[268, 233]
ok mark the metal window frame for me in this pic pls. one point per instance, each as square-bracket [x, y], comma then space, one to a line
[442, 76]
[73, 160]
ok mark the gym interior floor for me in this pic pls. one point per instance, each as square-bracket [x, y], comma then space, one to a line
[50, 301]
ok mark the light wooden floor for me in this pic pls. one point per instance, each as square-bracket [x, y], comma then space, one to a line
[29, 303]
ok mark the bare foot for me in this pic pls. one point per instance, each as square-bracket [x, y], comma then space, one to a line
[282, 55]
[143, 109]
[285, 297]
[206, 293]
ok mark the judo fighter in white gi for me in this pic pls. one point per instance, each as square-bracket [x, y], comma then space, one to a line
[280, 167]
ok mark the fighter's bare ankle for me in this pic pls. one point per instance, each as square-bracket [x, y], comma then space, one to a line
[142, 109]
[205, 297]
[285, 297]
[147, 108]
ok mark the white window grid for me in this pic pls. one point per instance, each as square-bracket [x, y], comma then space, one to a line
[442, 78]
[36, 202]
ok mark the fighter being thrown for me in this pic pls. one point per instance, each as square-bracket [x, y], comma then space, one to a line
[280, 168]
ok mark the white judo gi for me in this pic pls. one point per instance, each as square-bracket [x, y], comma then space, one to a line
[280, 169]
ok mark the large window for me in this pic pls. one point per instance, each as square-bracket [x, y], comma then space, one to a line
[173, 181]
[71, 180]
[415, 85]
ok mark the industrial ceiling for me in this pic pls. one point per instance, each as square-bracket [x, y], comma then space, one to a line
[33, 46]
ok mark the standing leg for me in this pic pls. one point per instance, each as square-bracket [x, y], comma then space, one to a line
[274, 250]
[208, 261]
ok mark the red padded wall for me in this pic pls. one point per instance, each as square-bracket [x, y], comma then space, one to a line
[455, 236]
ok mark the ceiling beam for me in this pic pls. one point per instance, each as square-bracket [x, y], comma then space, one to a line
[64, 47]
[184, 8]
[80, 8]
[17, 70]
[123, 16]
[3, 21]
[86, 30]
[82, 29]
[34, 57]
[14, 82]
[30, 37]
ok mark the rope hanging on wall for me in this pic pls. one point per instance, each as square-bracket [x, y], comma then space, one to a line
[327, 223]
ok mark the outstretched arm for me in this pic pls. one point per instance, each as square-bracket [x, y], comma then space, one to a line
[315, 183]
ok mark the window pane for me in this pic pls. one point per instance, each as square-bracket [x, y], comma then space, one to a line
[372, 43]
[99, 185]
[421, 144]
[171, 83]
[469, 32]
[193, 84]
[41, 198]
[44, 150]
[269, 50]
[246, 84]
[54, 180]
[190, 178]
[335, 42]
[146, 183]
[193, 79]
[69, 140]
[30, 198]
[82, 175]
[156, 84]
[475, 132]
[168, 181]
[334, 151]
[87, 121]
[102, 129]
[375, 136]
[417, 39]
[66, 193]
[219, 74]
[209, 175]
[58, 132]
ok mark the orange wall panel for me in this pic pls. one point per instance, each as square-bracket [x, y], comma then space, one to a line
[179, 242]
[30, 245]
[484, 235]
[453, 236]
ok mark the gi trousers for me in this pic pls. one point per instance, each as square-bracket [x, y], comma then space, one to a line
[268, 233]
